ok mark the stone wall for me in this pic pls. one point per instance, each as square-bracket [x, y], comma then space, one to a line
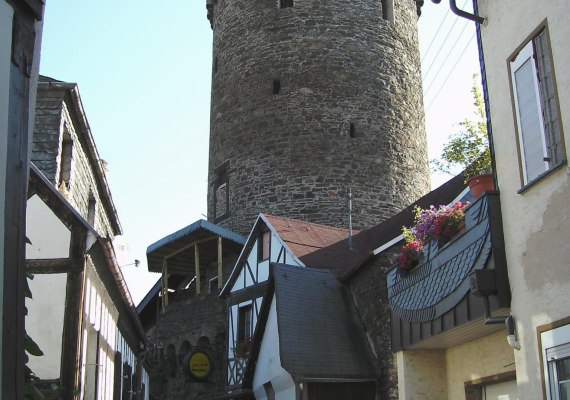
[192, 320]
[370, 294]
[309, 100]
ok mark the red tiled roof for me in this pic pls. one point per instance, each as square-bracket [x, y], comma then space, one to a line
[305, 237]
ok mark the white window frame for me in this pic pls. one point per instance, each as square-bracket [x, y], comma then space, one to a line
[550, 340]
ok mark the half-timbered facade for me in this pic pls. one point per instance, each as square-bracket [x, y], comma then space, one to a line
[81, 314]
[272, 240]
[20, 38]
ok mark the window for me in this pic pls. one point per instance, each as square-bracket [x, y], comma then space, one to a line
[496, 387]
[221, 192]
[556, 362]
[352, 130]
[263, 246]
[91, 210]
[245, 322]
[285, 3]
[536, 107]
[388, 10]
[276, 86]
[269, 392]
[65, 166]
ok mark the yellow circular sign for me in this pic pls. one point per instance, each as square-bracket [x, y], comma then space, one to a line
[199, 365]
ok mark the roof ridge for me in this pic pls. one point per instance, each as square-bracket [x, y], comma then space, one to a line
[306, 222]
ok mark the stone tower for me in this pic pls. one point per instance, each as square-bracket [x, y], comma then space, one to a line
[309, 98]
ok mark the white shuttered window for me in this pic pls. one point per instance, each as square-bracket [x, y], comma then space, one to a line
[536, 109]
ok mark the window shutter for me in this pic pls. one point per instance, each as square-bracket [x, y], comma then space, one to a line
[548, 100]
[529, 116]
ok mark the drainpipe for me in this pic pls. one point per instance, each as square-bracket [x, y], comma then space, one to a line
[507, 320]
[482, 284]
[486, 97]
[461, 13]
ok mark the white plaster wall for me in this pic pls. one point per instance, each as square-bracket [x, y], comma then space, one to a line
[268, 367]
[6, 15]
[422, 375]
[536, 225]
[49, 236]
[486, 356]
[44, 322]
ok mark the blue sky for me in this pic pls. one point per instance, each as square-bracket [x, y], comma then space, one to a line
[143, 70]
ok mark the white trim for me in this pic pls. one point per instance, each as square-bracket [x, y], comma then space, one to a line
[398, 238]
[550, 339]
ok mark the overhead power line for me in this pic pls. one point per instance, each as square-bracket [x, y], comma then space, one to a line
[450, 73]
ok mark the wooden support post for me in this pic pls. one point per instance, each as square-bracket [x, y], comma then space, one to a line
[220, 277]
[197, 265]
[72, 322]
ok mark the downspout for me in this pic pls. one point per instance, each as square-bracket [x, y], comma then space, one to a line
[464, 14]
[507, 320]
[486, 96]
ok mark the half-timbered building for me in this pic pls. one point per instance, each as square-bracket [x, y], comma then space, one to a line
[20, 37]
[253, 312]
[81, 314]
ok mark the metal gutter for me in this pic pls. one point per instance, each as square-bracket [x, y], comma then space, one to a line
[461, 13]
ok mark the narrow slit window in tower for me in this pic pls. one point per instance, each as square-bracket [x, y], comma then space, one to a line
[352, 130]
[276, 86]
[285, 3]
[388, 10]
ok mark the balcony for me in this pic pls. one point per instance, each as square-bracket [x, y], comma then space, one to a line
[432, 306]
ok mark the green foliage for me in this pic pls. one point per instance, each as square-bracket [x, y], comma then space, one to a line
[469, 148]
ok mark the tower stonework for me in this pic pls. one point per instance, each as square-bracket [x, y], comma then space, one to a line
[309, 98]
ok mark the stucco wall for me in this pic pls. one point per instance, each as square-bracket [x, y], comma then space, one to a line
[536, 226]
[49, 236]
[268, 367]
[44, 322]
[486, 356]
[421, 375]
[441, 374]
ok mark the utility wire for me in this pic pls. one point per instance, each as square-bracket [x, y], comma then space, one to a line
[426, 91]
[442, 44]
[434, 36]
[450, 73]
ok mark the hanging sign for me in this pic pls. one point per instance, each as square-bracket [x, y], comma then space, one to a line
[199, 365]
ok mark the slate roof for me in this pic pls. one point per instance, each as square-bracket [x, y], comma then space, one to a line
[344, 262]
[436, 286]
[320, 334]
[303, 237]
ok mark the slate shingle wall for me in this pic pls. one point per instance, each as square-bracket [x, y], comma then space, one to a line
[53, 117]
[291, 154]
